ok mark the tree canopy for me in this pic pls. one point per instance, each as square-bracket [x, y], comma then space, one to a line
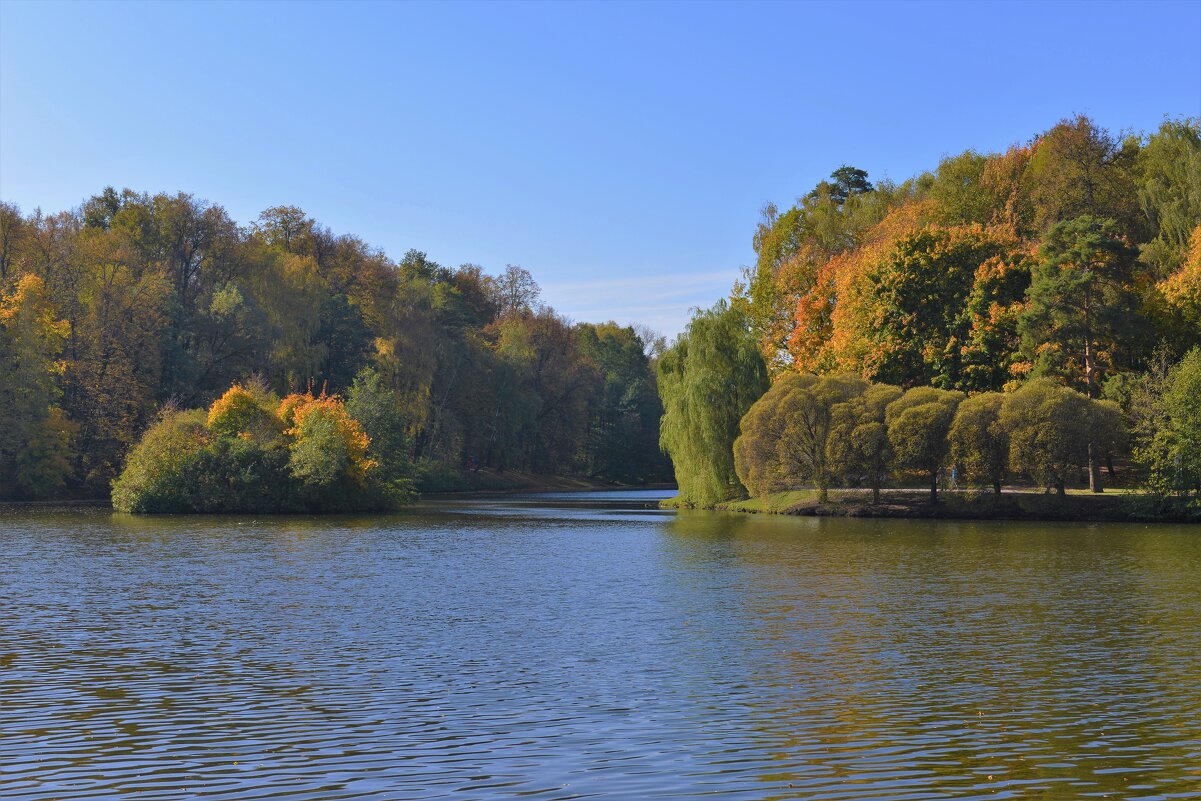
[138, 303]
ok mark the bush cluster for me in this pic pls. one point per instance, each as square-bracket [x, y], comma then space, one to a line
[252, 452]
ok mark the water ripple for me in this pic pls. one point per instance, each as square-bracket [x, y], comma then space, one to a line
[570, 647]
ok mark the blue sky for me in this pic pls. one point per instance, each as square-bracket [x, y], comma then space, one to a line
[620, 152]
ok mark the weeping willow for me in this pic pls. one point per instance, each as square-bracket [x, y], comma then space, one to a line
[707, 381]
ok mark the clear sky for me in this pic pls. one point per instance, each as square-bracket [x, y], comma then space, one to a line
[620, 152]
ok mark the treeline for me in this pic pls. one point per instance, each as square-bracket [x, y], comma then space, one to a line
[1070, 262]
[134, 304]
[843, 431]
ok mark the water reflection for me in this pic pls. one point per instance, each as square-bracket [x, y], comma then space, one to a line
[577, 646]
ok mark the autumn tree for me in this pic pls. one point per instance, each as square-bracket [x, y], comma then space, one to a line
[515, 291]
[1182, 289]
[12, 232]
[35, 436]
[792, 245]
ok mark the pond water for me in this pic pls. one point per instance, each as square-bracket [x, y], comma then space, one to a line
[589, 645]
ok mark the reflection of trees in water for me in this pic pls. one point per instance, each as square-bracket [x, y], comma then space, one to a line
[1027, 652]
[259, 524]
[697, 525]
[1167, 569]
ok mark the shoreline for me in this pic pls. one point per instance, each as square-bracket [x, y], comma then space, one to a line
[512, 483]
[487, 482]
[1013, 505]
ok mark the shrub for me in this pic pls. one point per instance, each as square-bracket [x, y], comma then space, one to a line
[253, 453]
[156, 475]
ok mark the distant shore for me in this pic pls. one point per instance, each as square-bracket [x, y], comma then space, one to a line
[471, 484]
[1011, 504]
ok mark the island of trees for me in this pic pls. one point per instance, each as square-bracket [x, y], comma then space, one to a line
[1030, 317]
[204, 366]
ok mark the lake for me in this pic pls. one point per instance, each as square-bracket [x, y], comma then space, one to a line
[589, 645]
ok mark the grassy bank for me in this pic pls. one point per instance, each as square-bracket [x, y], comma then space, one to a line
[1012, 504]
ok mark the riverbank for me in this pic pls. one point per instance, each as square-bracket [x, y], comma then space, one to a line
[452, 484]
[475, 482]
[1011, 504]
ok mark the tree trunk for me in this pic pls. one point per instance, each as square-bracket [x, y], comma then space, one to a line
[996, 488]
[1059, 489]
[823, 494]
[934, 486]
[876, 495]
[1109, 464]
[1090, 367]
[1094, 470]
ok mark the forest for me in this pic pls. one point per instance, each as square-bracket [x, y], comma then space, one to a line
[138, 312]
[1029, 317]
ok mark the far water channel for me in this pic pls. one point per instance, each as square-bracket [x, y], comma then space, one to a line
[591, 646]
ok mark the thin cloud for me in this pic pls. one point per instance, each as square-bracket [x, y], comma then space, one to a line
[664, 302]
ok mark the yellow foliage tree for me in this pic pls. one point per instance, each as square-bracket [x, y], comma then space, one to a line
[35, 436]
[325, 440]
[1182, 289]
[247, 412]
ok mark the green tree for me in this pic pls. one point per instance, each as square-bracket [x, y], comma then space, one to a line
[1170, 450]
[377, 409]
[707, 380]
[760, 432]
[959, 194]
[920, 294]
[1049, 428]
[979, 443]
[918, 424]
[1082, 307]
[1169, 191]
[987, 343]
[857, 447]
[319, 456]
[624, 426]
[844, 183]
[785, 434]
[155, 477]
[1079, 169]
